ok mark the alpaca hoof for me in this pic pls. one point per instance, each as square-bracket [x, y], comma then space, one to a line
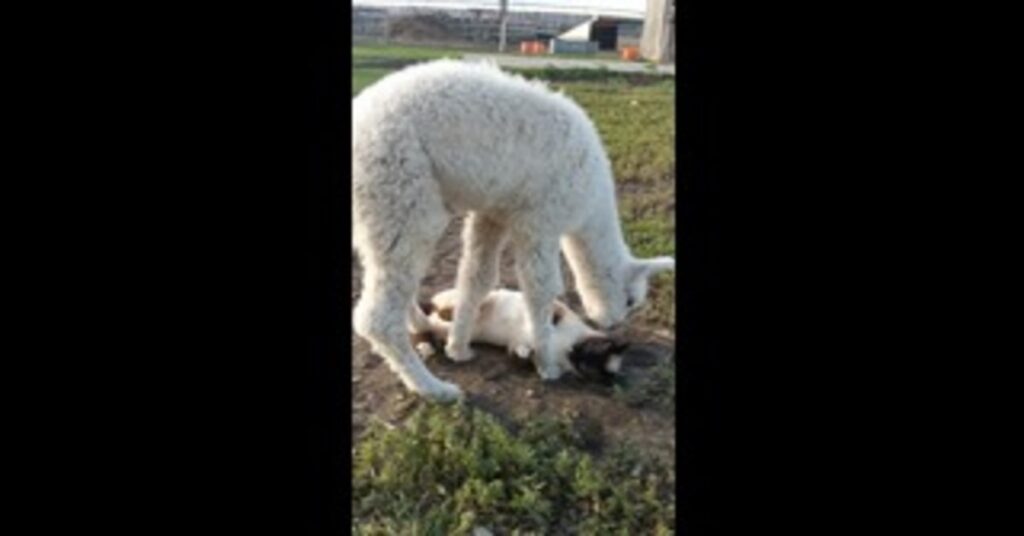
[425, 349]
[444, 393]
[550, 373]
[459, 355]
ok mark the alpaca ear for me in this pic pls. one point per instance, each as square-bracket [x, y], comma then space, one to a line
[657, 265]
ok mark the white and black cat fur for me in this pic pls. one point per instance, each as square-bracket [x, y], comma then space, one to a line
[501, 321]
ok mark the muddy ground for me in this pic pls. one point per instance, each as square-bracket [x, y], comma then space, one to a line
[511, 389]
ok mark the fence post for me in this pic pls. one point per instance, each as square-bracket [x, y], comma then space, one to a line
[502, 29]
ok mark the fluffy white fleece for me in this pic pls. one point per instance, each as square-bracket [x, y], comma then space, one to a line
[527, 166]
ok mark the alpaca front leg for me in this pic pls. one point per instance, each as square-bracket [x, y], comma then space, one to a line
[541, 280]
[539, 326]
[482, 242]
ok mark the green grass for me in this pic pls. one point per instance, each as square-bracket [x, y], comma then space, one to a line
[366, 76]
[404, 53]
[371, 62]
[455, 468]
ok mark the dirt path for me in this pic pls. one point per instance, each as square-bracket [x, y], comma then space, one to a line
[511, 389]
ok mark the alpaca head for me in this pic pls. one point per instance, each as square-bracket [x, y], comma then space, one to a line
[623, 291]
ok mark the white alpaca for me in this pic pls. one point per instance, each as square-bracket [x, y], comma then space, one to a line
[525, 164]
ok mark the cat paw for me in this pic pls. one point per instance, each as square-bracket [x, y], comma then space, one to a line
[522, 351]
[425, 349]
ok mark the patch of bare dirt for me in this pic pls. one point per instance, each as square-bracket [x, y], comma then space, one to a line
[510, 388]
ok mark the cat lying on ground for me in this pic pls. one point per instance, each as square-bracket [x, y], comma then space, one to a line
[501, 321]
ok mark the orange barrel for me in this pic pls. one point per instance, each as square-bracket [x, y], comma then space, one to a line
[630, 53]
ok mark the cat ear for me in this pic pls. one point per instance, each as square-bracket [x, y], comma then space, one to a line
[587, 347]
[590, 349]
[427, 307]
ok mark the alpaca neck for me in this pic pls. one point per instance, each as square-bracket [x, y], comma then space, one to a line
[596, 251]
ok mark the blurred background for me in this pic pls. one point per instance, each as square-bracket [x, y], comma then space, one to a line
[626, 29]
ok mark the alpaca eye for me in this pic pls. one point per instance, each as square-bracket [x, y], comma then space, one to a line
[629, 302]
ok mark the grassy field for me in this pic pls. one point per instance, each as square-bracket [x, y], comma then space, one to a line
[452, 469]
[371, 62]
[456, 468]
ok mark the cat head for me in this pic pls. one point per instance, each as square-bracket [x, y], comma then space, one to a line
[598, 356]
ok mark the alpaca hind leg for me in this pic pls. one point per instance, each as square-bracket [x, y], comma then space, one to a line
[540, 278]
[385, 309]
[482, 243]
[396, 225]
[378, 319]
